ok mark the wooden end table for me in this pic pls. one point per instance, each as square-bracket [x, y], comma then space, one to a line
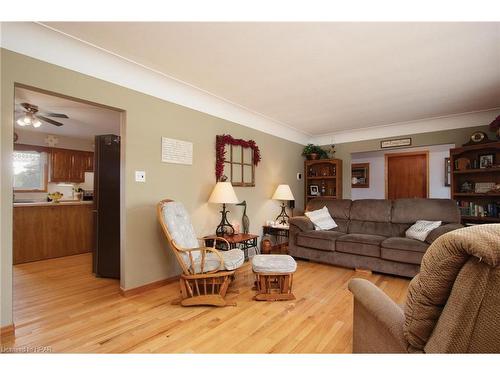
[281, 235]
[241, 241]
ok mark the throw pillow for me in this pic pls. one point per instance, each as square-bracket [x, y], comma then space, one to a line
[321, 219]
[421, 229]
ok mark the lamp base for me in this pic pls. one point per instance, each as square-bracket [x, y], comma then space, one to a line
[224, 227]
[282, 218]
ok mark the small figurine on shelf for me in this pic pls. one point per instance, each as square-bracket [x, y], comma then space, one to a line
[323, 188]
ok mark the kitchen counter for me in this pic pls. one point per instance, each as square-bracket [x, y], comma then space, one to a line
[61, 203]
[44, 230]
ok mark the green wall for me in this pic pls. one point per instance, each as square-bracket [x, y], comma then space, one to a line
[145, 257]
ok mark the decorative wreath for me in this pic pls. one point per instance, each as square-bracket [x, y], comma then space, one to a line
[220, 151]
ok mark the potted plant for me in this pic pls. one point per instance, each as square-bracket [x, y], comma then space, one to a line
[313, 152]
[495, 126]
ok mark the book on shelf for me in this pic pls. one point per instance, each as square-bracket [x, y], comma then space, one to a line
[491, 209]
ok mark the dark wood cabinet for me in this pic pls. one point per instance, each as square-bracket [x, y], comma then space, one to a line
[475, 176]
[89, 161]
[70, 165]
[323, 178]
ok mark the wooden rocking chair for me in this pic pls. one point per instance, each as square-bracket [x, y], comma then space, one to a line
[206, 272]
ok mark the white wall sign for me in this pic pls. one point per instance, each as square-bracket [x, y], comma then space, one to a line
[176, 151]
[395, 143]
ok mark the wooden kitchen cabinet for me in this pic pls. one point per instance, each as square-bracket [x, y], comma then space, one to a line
[89, 161]
[70, 165]
[51, 230]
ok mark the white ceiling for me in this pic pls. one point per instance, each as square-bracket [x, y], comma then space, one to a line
[320, 78]
[85, 120]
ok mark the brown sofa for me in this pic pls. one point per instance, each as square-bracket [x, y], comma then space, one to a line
[371, 233]
[453, 304]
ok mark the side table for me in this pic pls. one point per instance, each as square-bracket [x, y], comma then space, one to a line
[280, 234]
[241, 241]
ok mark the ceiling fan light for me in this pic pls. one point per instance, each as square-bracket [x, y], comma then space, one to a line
[27, 119]
[20, 122]
[37, 123]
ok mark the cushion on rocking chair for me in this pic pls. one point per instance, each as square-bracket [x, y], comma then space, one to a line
[181, 230]
[233, 259]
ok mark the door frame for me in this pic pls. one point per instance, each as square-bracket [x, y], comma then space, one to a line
[399, 154]
[123, 127]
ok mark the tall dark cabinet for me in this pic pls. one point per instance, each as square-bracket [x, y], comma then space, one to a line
[106, 256]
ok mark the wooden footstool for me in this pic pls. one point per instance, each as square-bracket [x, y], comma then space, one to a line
[273, 277]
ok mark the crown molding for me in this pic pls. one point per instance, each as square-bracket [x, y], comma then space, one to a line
[37, 40]
[457, 121]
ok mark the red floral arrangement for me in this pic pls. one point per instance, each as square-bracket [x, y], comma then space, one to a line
[220, 153]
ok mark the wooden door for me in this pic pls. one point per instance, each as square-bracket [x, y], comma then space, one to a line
[60, 165]
[407, 175]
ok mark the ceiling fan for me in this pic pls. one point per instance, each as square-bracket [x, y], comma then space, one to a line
[32, 117]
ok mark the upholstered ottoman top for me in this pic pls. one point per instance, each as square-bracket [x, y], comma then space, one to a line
[273, 264]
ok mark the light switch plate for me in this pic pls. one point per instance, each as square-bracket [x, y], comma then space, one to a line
[299, 176]
[140, 176]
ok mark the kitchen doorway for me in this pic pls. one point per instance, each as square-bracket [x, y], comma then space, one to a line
[68, 201]
[407, 175]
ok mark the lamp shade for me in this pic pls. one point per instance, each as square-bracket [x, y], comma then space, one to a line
[283, 193]
[223, 193]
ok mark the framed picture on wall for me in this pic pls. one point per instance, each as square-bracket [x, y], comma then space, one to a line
[447, 172]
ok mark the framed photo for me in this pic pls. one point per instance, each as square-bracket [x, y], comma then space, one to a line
[395, 143]
[486, 160]
[313, 190]
[447, 172]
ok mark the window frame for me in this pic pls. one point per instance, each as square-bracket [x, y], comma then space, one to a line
[40, 149]
[230, 163]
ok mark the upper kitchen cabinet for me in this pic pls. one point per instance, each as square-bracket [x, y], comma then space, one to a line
[89, 161]
[70, 165]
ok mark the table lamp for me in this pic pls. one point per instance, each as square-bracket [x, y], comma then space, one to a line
[223, 193]
[283, 193]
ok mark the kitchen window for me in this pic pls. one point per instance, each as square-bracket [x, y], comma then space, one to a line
[30, 171]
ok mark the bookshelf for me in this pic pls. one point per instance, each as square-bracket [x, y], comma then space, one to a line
[472, 182]
[326, 176]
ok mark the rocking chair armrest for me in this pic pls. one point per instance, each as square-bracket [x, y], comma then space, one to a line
[203, 250]
[215, 239]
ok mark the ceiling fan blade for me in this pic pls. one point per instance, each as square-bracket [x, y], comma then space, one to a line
[59, 115]
[49, 120]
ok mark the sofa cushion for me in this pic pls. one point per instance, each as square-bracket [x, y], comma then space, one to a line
[409, 210]
[421, 229]
[338, 208]
[407, 244]
[361, 244]
[433, 236]
[378, 210]
[405, 250]
[319, 239]
[321, 219]
[403, 256]
[371, 227]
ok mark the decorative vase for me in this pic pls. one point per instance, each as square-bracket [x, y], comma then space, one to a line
[266, 246]
[312, 156]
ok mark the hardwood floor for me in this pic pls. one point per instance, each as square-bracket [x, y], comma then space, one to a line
[60, 304]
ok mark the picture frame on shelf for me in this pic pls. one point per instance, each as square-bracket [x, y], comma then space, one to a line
[486, 160]
[314, 190]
